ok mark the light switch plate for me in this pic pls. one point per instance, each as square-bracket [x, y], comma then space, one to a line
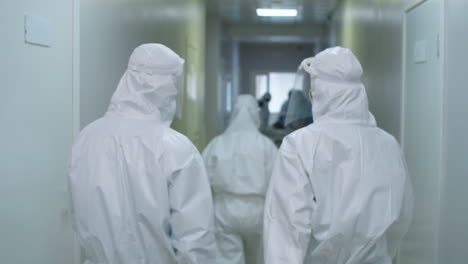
[37, 31]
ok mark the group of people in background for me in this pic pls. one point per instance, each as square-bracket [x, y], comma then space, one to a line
[290, 118]
[337, 191]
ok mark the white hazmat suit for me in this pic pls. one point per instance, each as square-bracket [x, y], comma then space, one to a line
[139, 190]
[340, 192]
[239, 164]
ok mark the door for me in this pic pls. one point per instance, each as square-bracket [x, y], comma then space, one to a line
[422, 126]
[36, 117]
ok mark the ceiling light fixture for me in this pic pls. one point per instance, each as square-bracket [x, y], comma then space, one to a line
[268, 12]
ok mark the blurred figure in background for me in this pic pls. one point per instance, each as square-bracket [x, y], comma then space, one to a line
[239, 164]
[263, 104]
[340, 191]
[279, 124]
[139, 190]
[296, 111]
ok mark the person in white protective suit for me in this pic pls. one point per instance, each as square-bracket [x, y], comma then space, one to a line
[340, 192]
[139, 190]
[239, 164]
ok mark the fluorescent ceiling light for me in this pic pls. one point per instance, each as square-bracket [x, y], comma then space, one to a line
[276, 12]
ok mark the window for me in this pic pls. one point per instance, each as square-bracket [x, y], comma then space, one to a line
[278, 84]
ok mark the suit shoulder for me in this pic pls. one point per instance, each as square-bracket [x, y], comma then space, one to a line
[311, 131]
[92, 128]
[178, 142]
[388, 137]
[265, 139]
[302, 140]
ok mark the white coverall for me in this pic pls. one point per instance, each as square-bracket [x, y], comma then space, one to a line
[239, 164]
[340, 192]
[139, 190]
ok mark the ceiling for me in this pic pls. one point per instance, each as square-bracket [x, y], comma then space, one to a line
[244, 11]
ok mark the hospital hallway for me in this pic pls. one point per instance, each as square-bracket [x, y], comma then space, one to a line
[61, 61]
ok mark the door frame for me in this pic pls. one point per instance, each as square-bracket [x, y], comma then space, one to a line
[76, 123]
[76, 67]
[410, 4]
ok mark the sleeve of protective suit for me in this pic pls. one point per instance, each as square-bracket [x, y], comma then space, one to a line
[191, 220]
[398, 229]
[408, 198]
[207, 158]
[288, 210]
[271, 153]
[408, 205]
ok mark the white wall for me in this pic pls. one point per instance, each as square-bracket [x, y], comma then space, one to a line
[38, 107]
[449, 195]
[373, 30]
[422, 128]
[270, 57]
[36, 134]
[453, 245]
[111, 29]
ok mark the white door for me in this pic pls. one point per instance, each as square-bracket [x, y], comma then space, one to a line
[36, 133]
[422, 126]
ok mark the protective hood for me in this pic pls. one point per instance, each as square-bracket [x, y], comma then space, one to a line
[148, 88]
[338, 94]
[245, 115]
[340, 192]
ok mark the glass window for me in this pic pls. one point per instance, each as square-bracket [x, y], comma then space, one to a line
[279, 85]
